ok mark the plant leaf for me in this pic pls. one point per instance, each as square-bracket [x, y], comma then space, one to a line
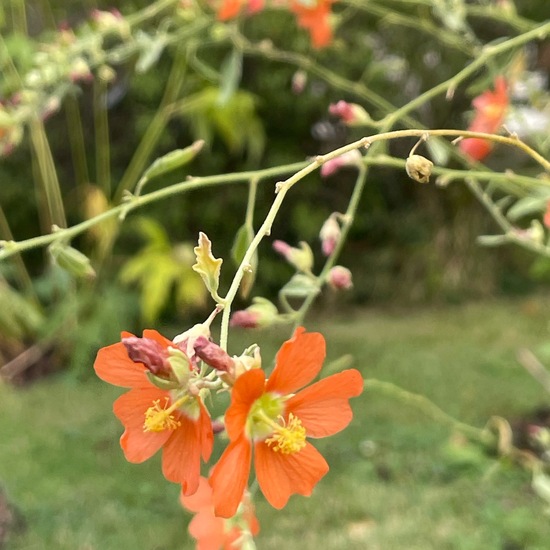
[207, 266]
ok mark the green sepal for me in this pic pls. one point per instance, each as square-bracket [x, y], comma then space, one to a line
[162, 383]
[180, 365]
[72, 260]
[300, 286]
[171, 161]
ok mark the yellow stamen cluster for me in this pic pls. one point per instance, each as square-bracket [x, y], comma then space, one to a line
[159, 418]
[289, 438]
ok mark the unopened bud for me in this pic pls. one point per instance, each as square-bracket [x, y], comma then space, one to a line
[213, 355]
[299, 81]
[245, 319]
[419, 168]
[248, 360]
[351, 158]
[262, 313]
[350, 113]
[339, 278]
[217, 426]
[186, 340]
[173, 160]
[110, 21]
[329, 235]
[301, 258]
[536, 232]
[72, 260]
[80, 71]
[149, 352]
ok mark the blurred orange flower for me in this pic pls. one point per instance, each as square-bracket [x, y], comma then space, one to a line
[490, 110]
[153, 417]
[313, 15]
[275, 418]
[231, 8]
[215, 533]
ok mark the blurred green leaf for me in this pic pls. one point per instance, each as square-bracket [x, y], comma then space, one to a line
[231, 71]
[19, 318]
[527, 206]
[235, 121]
[161, 267]
[151, 48]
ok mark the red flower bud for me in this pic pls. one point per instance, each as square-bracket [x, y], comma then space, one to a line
[213, 355]
[339, 278]
[245, 319]
[150, 353]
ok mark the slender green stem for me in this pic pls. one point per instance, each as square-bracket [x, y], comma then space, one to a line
[10, 248]
[251, 202]
[512, 234]
[23, 276]
[349, 218]
[48, 174]
[76, 141]
[19, 16]
[156, 127]
[303, 170]
[102, 141]
[487, 53]
[422, 24]
[430, 409]
[282, 188]
[150, 11]
[504, 179]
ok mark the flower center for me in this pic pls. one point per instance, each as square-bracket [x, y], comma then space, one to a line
[266, 422]
[161, 417]
[289, 437]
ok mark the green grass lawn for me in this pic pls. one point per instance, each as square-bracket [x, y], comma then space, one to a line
[397, 480]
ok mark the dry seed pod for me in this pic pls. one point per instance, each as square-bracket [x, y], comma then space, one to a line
[419, 168]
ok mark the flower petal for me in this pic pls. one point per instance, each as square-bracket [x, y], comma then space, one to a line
[208, 530]
[113, 365]
[206, 433]
[154, 335]
[323, 407]
[181, 457]
[248, 387]
[282, 475]
[130, 408]
[202, 498]
[229, 9]
[298, 362]
[230, 476]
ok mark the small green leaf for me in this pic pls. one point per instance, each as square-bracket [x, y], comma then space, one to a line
[527, 206]
[231, 72]
[151, 48]
[300, 286]
[72, 260]
[174, 159]
[438, 151]
[208, 267]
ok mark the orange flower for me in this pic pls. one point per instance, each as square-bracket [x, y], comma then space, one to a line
[271, 417]
[490, 111]
[231, 8]
[213, 533]
[313, 15]
[174, 418]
